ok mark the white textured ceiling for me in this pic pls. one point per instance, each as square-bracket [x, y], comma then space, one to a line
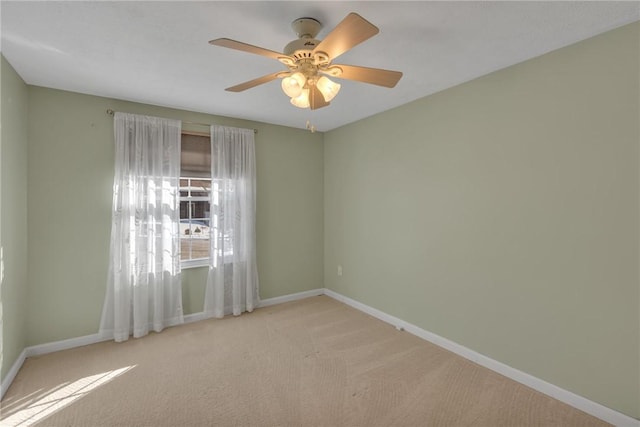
[157, 52]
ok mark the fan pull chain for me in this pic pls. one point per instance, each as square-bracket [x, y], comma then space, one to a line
[311, 126]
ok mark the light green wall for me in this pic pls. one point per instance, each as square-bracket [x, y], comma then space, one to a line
[503, 214]
[13, 219]
[70, 191]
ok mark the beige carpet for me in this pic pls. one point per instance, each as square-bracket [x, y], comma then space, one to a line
[314, 362]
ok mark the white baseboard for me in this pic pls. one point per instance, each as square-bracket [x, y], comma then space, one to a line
[291, 297]
[40, 349]
[597, 410]
[195, 317]
[8, 379]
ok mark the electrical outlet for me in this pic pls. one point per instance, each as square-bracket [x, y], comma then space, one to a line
[339, 270]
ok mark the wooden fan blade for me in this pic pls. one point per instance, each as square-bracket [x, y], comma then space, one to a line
[351, 31]
[234, 44]
[254, 82]
[316, 100]
[375, 76]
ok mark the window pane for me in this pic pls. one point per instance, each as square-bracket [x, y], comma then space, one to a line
[199, 229]
[184, 210]
[199, 248]
[203, 184]
[200, 209]
[185, 248]
[194, 229]
[195, 187]
[200, 188]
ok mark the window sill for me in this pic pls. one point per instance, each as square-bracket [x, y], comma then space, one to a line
[194, 263]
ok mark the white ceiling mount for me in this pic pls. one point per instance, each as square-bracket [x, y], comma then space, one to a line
[306, 27]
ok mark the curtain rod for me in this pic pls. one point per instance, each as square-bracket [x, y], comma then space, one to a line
[111, 113]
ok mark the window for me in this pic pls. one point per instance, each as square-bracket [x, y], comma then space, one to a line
[195, 200]
[194, 218]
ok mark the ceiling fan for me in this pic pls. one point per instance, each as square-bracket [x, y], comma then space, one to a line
[309, 61]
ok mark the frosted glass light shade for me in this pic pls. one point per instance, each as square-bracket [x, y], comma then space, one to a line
[293, 84]
[328, 88]
[301, 101]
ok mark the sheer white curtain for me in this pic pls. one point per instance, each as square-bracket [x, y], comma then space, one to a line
[232, 283]
[143, 285]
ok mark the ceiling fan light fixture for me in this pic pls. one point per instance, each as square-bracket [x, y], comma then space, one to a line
[293, 84]
[309, 60]
[328, 88]
[301, 101]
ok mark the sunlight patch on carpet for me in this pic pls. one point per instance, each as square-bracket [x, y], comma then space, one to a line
[60, 398]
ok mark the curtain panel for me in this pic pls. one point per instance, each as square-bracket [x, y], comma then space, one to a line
[144, 278]
[232, 281]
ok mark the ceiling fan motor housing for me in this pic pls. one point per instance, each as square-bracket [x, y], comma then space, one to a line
[301, 48]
